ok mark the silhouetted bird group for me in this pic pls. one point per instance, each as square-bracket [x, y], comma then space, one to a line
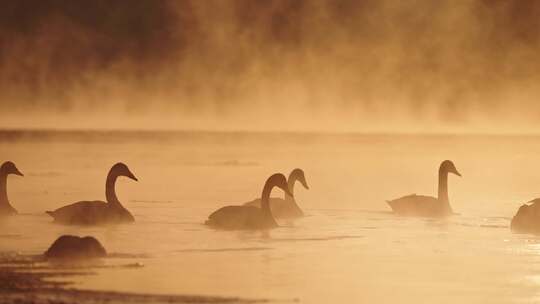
[260, 213]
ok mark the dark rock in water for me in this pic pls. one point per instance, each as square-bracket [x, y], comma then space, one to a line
[69, 246]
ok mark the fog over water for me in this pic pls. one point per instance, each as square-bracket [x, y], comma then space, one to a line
[349, 248]
[468, 66]
[203, 100]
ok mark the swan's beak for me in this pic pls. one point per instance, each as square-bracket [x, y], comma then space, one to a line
[17, 172]
[304, 183]
[130, 175]
[457, 173]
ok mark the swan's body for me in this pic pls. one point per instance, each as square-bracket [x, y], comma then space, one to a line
[240, 217]
[98, 212]
[281, 208]
[428, 206]
[527, 218]
[6, 169]
[249, 217]
[287, 207]
[418, 205]
[74, 247]
[91, 213]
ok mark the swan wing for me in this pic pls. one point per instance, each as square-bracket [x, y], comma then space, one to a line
[404, 200]
[254, 203]
[237, 217]
[6, 210]
[80, 213]
[274, 201]
[281, 208]
[535, 201]
[419, 205]
[286, 209]
[403, 197]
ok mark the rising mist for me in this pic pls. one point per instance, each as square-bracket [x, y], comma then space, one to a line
[271, 65]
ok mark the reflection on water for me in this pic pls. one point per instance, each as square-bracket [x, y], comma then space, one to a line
[349, 247]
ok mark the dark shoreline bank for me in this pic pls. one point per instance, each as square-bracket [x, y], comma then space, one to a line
[23, 280]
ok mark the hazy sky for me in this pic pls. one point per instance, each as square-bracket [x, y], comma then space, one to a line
[281, 65]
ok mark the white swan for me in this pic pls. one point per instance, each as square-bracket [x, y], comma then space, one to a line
[428, 206]
[249, 217]
[6, 169]
[98, 212]
[285, 208]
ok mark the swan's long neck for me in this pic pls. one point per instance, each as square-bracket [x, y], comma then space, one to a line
[265, 198]
[110, 193]
[3, 188]
[443, 186]
[290, 184]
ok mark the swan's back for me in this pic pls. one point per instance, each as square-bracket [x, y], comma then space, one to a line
[257, 202]
[91, 213]
[281, 208]
[69, 246]
[239, 217]
[527, 219]
[7, 210]
[418, 205]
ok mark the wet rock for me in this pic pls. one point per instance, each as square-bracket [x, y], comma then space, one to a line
[69, 246]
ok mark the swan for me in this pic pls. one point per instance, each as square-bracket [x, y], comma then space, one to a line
[249, 217]
[527, 218]
[428, 206]
[98, 212]
[285, 208]
[6, 169]
[74, 247]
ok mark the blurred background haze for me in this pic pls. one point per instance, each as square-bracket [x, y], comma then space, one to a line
[383, 66]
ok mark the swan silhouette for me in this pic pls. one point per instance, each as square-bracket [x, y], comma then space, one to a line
[527, 218]
[74, 247]
[98, 212]
[6, 169]
[285, 208]
[249, 217]
[428, 206]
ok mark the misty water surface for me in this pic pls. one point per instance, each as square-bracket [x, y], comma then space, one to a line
[349, 248]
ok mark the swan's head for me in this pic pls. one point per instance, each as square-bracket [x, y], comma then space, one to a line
[449, 167]
[10, 168]
[121, 169]
[279, 180]
[298, 174]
